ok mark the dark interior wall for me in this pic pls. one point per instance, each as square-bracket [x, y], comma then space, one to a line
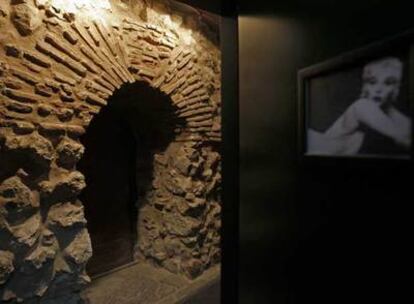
[330, 232]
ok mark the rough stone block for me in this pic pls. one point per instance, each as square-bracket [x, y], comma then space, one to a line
[79, 251]
[183, 164]
[202, 110]
[193, 268]
[75, 131]
[34, 147]
[53, 85]
[183, 62]
[177, 184]
[64, 187]
[61, 58]
[70, 36]
[191, 88]
[94, 35]
[97, 88]
[215, 255]
[41, 3]
[23, 127]
[26, 18]
[14, 2]
[37, 59]
[66, 97]
[12, 50]
[20, 96]
[4, 9]
[45, 110]
[43, 90]
[70, 152]
[66, 215]
[59, 44]
[48, 237]
[146, 73]
[89, 66]
[197, 124]
[63, 79]
[216, 126]
[65, 114]
[194, 102]
[17, 199]
[181, 225]
[4, 67]
[26, 77]
[27, 232]
[158, 251]
[14, 84]
[205, 117]
[18, 107]
[6, 265]
[40, 256]
[31, 67]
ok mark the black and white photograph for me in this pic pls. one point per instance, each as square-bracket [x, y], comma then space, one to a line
[360, 110]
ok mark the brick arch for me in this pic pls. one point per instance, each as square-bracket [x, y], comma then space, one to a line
[56, 72]
[76, 67]
[144, 119]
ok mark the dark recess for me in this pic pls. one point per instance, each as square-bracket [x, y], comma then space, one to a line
[327, 232]
[119, 147]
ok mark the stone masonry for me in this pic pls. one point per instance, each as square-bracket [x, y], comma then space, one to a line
[179, 222]
[58, 67]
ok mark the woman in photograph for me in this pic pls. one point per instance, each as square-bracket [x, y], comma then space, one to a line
[373, 112]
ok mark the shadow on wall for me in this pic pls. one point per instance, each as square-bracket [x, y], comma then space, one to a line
[312, 233]
[118, 165]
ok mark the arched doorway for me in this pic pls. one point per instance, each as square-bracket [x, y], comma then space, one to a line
[119, 147]
[56, 73]
[108, 166]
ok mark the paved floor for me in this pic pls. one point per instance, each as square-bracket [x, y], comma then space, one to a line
[208, 295]
[144, 284]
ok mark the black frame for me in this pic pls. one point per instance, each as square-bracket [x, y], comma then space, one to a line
[404, 40]
[230, 152]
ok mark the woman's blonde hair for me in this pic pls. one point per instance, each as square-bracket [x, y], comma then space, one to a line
[394, 64]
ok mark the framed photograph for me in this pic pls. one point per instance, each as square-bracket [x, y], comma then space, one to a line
[359, 105]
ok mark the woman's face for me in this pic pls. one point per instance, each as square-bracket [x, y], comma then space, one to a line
[381, 83]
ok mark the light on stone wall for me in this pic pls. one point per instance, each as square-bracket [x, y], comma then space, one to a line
[73, 6]
[186, 35]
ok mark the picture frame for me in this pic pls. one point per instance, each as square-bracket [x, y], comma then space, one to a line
[359, 105]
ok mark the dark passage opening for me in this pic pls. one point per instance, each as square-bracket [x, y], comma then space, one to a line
[118, 166]
[108, 165]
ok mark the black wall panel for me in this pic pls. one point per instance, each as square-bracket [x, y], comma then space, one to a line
[326, 232]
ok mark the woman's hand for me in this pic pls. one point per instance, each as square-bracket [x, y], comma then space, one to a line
[370, 113]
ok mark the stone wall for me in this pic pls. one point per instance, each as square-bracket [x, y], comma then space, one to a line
[58, 67]
[179, 223]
